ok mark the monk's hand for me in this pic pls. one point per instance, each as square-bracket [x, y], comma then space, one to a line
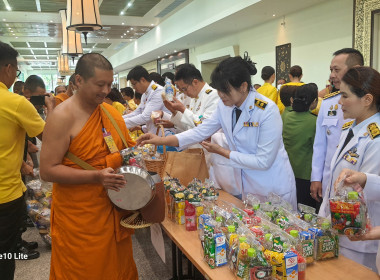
[110, 180]
[148, 138]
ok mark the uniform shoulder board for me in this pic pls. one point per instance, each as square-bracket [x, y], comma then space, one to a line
[260, 103]
[332, 94]
[314, 114]
[208, 91]
[347, 125]
[373, 130]
[154, 86]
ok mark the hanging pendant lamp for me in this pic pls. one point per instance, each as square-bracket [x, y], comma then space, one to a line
[71, 41]
[63, 64]
[83, 16]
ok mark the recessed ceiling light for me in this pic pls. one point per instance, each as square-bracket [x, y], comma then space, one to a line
[108, 39]
[122, 23]
[125, 34]
[93, 47]
[16, 37]
[9, 28]
[166, 54]
[158, 56]
[7, 24]
[9, 8]
[121, 36]
[51, 21]
[274, 15]
[152, 24]
[4, 19]
[129, 4]
[175, 50]
[131, 28]
[127, 31]
[13, 34]
[36, 25]
[121, 13]
[12, 31]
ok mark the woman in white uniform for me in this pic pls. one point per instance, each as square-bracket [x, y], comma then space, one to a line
[253, 128]
[358, 149]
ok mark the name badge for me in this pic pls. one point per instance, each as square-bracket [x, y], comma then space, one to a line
[110, 142]
[251, 124]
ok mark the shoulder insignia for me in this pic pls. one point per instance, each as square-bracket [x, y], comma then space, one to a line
[347, 125]
[314, 114]
[154, 86]
[208, 91]
[327, 96]
[373, 130]
[260, 103]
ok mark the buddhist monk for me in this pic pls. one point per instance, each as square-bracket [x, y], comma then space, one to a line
[88, 241]
[61, 94]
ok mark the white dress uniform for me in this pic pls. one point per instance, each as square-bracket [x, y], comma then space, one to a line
[360, 154]
[256, 145]
[151, 100]
[329, 125]
[185, 100]
[201, 107]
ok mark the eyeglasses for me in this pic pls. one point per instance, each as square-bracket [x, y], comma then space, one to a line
[18, 72]
[186, 88]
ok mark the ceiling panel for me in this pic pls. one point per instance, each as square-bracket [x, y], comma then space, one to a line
[24, 52]
[37, 44]
[102, 45]
[21, 5]
[138, 9]
[52, 52]
[49, 6]
[54, 45]
[28, 56]
[39, 52]
[19, 44]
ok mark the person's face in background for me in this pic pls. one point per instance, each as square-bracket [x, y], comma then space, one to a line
[60, 89]
[338, 68]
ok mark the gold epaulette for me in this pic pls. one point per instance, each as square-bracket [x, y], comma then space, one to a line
[154, 86]
[373, 130]
[208, 91]
[332, 94]
[347, 125]
[260, 103]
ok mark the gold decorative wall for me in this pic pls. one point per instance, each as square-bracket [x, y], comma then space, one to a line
[364, 11]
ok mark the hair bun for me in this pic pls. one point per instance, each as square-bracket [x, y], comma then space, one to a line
[250, 65]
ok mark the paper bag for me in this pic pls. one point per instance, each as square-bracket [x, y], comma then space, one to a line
[186, 165]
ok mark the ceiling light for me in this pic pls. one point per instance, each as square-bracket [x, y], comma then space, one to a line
[166, 54]
[127, 31]
[175, 50]
[93, 47]
[4, 19]
[108, 39]
[125, 34]
[129, 4]
[274, 15]
[36, 25]
[9, 28]
[12, 31]
[159, 57]
[8, 8]
[16, 37]
[121, 36]
[131, 28]
[13, 34]
[152, 24]
[121, 13]
[51, 21]
[122, 23]
[7, 24]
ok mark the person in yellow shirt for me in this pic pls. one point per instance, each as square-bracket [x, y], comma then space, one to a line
[267, 89]
[17, 117]
[128, 95]
[114, 98]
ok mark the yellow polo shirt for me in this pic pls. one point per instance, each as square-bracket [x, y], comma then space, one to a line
[269, 91]
[120, 107]
[17, 117]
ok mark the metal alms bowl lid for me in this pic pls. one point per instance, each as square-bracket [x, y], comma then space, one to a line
[138, 191]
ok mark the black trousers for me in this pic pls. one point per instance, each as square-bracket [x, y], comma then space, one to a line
[11, 220]
[303, 193]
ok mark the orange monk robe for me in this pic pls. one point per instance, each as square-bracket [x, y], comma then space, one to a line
[88, 241]
[60, 98]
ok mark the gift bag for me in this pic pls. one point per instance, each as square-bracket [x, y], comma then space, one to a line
[186, 165]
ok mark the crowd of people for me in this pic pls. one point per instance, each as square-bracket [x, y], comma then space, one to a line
[290, 139]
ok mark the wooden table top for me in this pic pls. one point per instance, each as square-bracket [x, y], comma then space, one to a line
[189, 243]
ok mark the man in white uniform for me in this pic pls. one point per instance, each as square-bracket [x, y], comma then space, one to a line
[329, 122]
[204, 99]
[150, 101]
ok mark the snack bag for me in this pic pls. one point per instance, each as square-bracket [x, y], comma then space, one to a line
[349, 213]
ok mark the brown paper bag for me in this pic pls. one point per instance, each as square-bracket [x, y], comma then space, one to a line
[186, 165]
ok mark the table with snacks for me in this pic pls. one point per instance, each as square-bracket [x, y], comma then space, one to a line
[189, 243]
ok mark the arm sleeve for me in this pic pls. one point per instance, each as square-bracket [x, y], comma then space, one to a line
[370, 166]
[29, 119]
[319, 150]
[372, 187]
[201, 132]
[143, 116]
[268, 145]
